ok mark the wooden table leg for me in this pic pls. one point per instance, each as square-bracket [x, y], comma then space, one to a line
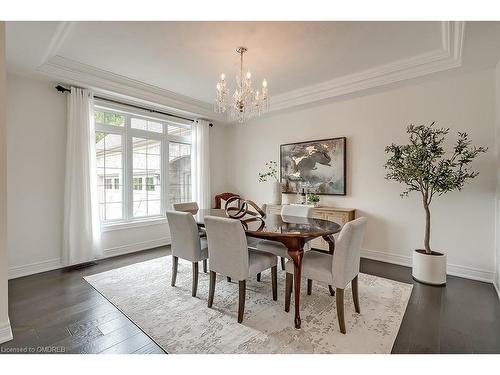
[331, 243]
[296, 256]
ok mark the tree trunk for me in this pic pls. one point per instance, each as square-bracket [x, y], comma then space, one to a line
[427, 227]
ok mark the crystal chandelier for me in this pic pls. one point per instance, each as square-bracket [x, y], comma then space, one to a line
[246, 102]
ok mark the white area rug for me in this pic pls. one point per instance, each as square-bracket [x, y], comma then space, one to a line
[183, 324]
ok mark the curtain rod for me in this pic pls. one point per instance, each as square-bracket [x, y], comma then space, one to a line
[64, 89]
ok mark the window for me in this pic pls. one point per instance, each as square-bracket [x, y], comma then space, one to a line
[150, 183]
[133, 152]
[137, 183]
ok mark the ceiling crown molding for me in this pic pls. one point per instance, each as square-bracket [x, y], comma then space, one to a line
[64, 29]
[447, 57]
[114, 85]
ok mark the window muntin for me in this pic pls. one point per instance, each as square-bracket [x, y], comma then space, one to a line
[130, 180]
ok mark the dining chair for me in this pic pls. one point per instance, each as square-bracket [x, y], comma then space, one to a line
[192, 207]
[186, 207]
[230, 256]
[338, 269]
[186, 244]
[277, 248]
[223, 197]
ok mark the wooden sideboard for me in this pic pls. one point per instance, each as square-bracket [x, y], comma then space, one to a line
[335, 214]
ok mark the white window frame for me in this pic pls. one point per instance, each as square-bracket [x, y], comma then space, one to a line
[128, 133]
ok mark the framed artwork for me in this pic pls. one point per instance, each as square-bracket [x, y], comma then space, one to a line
[317, 166]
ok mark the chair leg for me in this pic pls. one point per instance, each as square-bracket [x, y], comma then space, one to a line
[274, 281]
[194, 288]
[340, 309]
[332, 291]
[204, 266]
[355, 297]
[175, 263]
[258, 276]
[309, 287]
[282, 263]
[228, 279]
[211, 289]
[241, 305]
[288, 290]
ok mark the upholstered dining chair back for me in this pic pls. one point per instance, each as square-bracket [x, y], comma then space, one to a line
[184, 235]
[227, 247]
[186, 207]
[296, 210]
[346, 257]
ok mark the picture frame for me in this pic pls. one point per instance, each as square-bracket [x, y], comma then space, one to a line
[319, 166]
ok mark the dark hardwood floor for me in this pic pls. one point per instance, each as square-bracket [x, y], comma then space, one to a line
[58, 311]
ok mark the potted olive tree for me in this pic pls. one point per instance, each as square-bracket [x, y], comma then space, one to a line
[423, 166]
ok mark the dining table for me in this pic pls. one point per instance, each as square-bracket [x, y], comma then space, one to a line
[292, 231]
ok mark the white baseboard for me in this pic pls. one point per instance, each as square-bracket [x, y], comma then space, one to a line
[452, 269]
[53, 264]
[32, 268]
[138, 246]
[5, 332]
[401, 260]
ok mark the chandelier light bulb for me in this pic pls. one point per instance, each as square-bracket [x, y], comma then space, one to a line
[218, 86]
[222, 77]
[264, 83]
[249, 75]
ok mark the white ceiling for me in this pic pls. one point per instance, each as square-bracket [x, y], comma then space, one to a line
[187, 57]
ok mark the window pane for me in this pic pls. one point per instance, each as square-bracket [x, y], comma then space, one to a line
[146, 177]
[179, 174]
[154, 207]
[109, 118]
[137, 123]
[155, 127]
[148, 125]
[114, 211]
[109, 175]
[179, 130]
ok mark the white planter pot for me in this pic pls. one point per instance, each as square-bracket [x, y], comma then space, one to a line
[276, 199]
[429, 269]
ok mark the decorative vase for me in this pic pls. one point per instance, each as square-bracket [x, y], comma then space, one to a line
[276, 199]
[429, 268]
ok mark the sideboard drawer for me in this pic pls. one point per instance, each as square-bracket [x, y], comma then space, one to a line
[337, 217]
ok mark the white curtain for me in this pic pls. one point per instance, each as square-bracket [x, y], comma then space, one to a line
[200, 163]
[81, 233]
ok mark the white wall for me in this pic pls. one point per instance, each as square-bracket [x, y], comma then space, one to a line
[5, 331]
[36, 143]
[462, 222]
